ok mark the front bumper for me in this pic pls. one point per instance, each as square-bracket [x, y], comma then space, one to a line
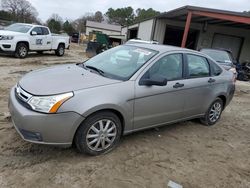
[54, 129]
[7, 47]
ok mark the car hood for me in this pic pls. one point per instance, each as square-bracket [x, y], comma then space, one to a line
[6, 32]
[62, 79]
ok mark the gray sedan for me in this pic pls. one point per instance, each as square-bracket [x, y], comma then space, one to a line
[125, 89]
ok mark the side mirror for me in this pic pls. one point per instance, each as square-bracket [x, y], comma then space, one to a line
[156, 80]
[33, 33]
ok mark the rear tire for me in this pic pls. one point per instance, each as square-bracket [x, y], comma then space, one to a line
[213, 113]
[60, 50]
[98, 134]
[21, 50]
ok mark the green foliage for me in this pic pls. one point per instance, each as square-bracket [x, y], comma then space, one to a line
[126, 16]
[123, 16]
[98, 16]
[68, 28]
[54, 26]
[55, 23]
[143, 14]
[19, 11]
[4, 15]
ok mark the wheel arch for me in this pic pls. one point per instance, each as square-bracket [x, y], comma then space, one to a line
[24, 42]
[63, 43]
[119, 114]
[224, 99]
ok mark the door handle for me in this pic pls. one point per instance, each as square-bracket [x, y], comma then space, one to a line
[178, 85]
[211, 80]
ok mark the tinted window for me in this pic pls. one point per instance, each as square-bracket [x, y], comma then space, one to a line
[169, 67]
[215, 69]
[45, 31]
[38, 30]
[197, 66]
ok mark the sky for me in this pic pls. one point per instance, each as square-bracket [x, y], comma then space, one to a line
[73, 9]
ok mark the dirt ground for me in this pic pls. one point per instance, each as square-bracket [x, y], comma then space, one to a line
[187, 153]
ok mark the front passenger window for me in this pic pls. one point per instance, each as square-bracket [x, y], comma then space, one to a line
[38, 30]
[169, 67]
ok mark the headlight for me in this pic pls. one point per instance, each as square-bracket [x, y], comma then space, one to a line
[6, 37]
[48, 104]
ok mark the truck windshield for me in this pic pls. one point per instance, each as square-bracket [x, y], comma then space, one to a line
[120, 62]
[22, 28]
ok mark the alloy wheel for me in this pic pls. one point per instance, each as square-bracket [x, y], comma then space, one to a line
[215, 112]
[101, 135]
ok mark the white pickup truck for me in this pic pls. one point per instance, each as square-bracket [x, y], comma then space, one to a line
[21, 38]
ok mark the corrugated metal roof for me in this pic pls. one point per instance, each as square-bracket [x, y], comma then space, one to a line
[180, 14]
[103, 26]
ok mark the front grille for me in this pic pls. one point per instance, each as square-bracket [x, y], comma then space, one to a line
[22, 96]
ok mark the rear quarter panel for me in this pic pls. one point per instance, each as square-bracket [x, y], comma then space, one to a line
[57, 39]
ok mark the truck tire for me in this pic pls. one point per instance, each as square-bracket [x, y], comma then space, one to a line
[60, 50]
[21, 50]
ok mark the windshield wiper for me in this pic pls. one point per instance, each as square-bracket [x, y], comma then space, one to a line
[95, 69]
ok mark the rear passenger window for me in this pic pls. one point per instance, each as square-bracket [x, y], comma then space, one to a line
[215, 69]
[45, 31]
[197, 66]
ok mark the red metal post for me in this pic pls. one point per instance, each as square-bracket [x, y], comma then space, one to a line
[187, 25]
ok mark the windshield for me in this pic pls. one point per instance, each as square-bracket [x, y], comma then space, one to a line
[218, 55]
[22, 28]
[121, 62]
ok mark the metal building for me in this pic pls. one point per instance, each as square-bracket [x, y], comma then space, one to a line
[197, 27]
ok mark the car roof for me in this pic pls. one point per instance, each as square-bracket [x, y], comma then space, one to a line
[217, 49]
[163, 48]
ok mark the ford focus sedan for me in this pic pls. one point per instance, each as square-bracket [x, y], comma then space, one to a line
[125, 89]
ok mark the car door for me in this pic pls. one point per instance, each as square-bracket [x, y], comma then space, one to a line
[37, 39]
[198, 85]
[47, 43]
[156, 105]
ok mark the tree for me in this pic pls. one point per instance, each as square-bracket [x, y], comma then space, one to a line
[247, 12]
[98, 16]
[55, 23]
[21, 10]
[143, 14]
[80, 23]
[68, 28]
[121, 16]
[5, 15]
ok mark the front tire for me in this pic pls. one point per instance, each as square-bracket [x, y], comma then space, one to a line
[60, 50]
[213, 113]
[21, 50]
[98, 134]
